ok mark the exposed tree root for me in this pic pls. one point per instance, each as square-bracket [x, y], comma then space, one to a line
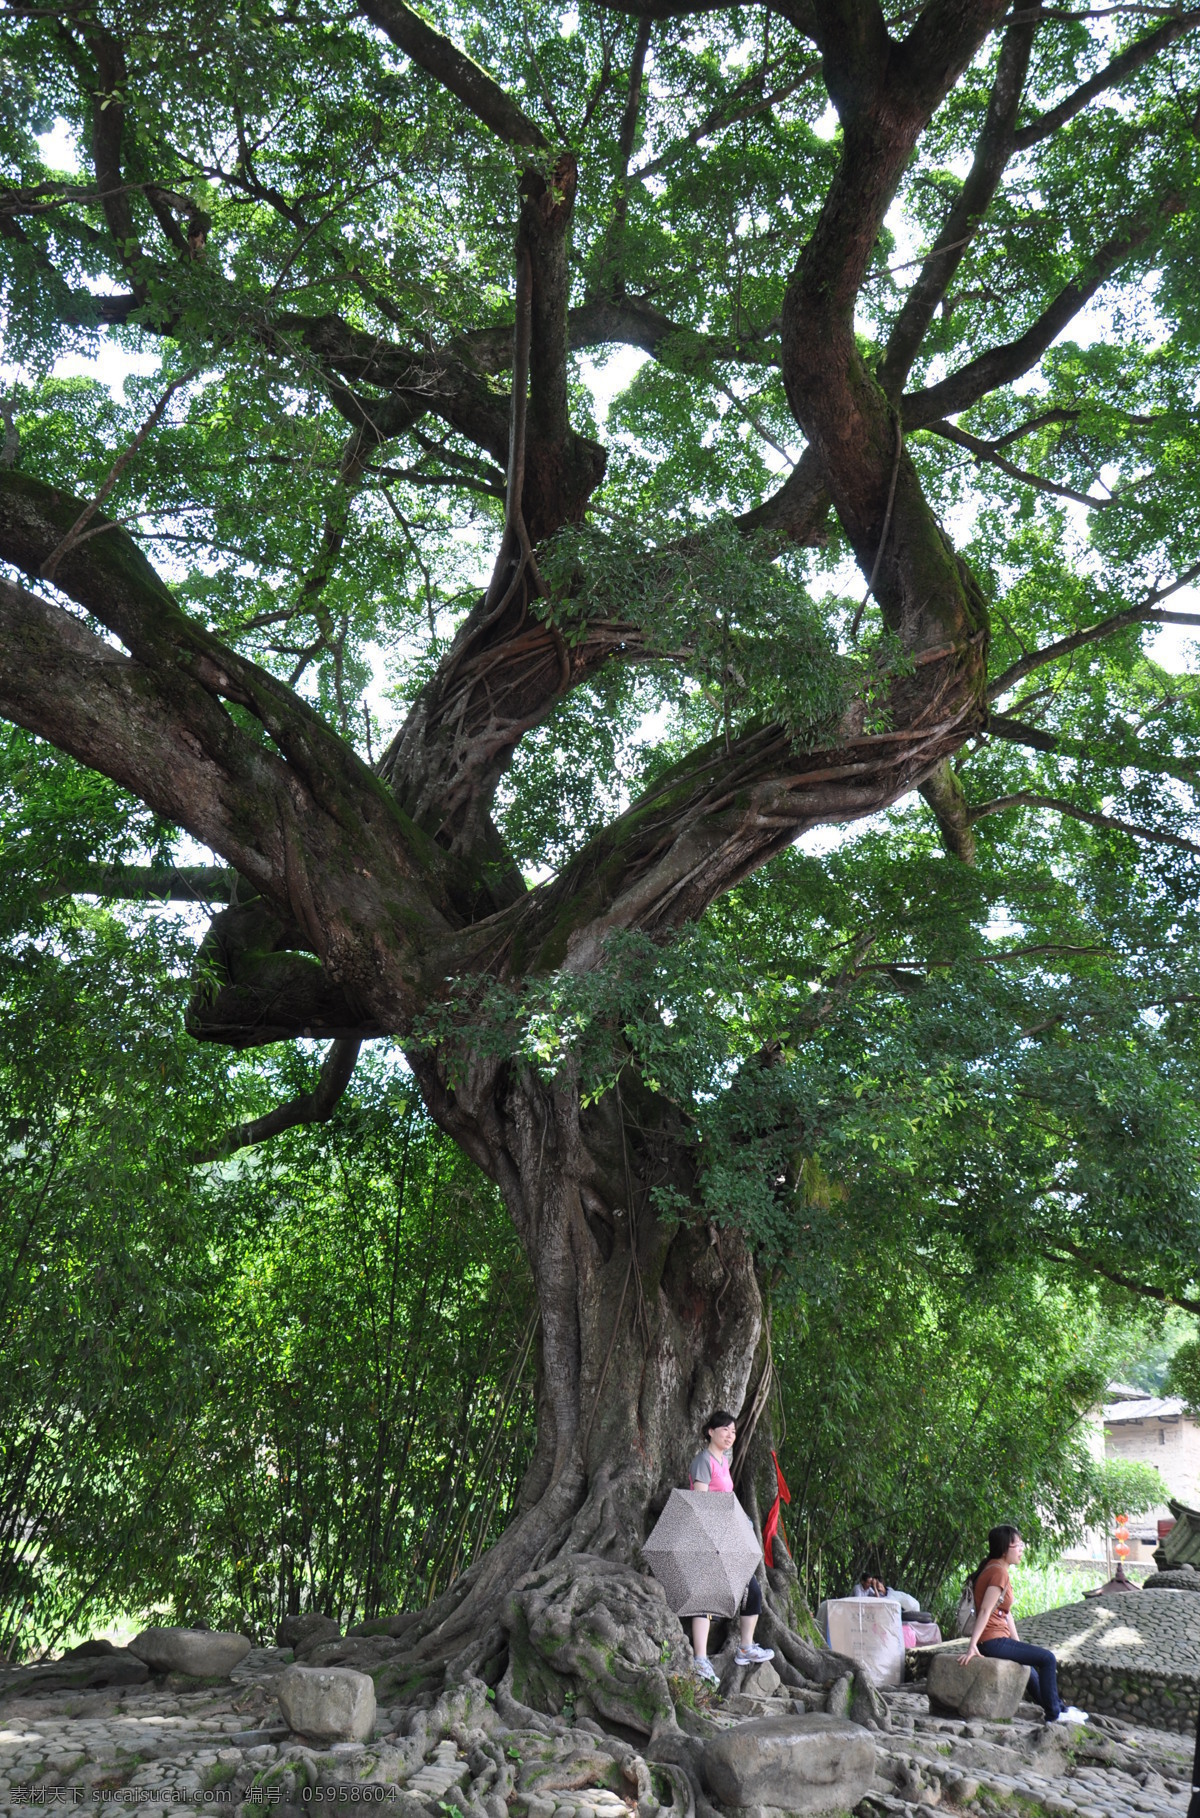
[593, 1635]
[581, 1686]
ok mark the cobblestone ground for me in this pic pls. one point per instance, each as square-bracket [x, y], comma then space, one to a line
[1028, 1766]
[226, 1748]
[1157, 1631]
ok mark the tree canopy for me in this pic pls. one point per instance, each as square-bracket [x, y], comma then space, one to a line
[303, 1378]
[569, 455]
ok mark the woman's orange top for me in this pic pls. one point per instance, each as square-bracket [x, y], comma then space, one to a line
[995, 1572]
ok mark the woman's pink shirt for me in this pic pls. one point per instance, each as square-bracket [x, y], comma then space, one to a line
[720, 1479]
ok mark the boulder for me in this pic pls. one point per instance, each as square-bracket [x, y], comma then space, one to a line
[761, 1681]
[200, 1653]
[330, 1704]
[302, 1633]
[840, 1696]
[803, 1765]
[89, 1650]
[976, 1688]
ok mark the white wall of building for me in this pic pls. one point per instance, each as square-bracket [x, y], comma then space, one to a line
[1149, 1430]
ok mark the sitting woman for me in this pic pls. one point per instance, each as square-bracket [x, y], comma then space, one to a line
[709, 1470]
[995, 1633]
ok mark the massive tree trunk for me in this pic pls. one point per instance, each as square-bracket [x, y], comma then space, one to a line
[647, 1323]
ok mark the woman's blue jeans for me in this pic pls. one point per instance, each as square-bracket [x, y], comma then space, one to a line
[1043, 1670]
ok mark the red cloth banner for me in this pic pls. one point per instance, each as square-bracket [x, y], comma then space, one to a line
[771, 1526]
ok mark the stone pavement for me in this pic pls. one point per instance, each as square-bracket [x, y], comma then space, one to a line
[225, 1747]
[1027, 1767]
[1155, 1630]
[1134, 1656]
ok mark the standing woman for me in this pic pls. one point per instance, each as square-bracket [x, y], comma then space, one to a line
[709, 1470]
[995, 1633]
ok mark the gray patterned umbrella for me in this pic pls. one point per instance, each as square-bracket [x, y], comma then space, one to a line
[703, 1551]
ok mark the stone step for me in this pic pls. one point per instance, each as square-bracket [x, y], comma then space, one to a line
[445, 1770]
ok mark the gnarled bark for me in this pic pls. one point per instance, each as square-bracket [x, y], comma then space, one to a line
[647, 1322]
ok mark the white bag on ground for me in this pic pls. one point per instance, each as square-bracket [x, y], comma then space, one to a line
[867, 1630]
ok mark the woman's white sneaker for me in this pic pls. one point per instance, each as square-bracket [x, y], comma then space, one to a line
[1071, 1715]
[704, 1669]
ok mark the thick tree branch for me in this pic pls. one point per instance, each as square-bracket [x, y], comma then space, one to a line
[364, 358]
[444, 382]
[562, 469]
[1126, 64]
[84, 309]
[1119, 1279]
[108, 127]
[315, 1107]
[799, 13]
[155, 721]
[1127, 755]
[1000, 727]
[1001, 365]
[946, 36]
[958, 230]
[1042, 419]
[855, 50]
[61, 681]
[1028, 798]
[630, 121]
[449, 381]
[509, 663]
[1145, 613]
[945, 795]
[636, 322]
[989, 452]
[720, 813]
[441, 58]
[110, 578]
[885, 96]
[131, 883]
[797, 512]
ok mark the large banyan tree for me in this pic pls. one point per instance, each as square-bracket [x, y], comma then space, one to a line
[486, 659]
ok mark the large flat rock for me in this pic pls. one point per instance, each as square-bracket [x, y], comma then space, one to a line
[976, 1688]
[202, 1653]
[805, 1765]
